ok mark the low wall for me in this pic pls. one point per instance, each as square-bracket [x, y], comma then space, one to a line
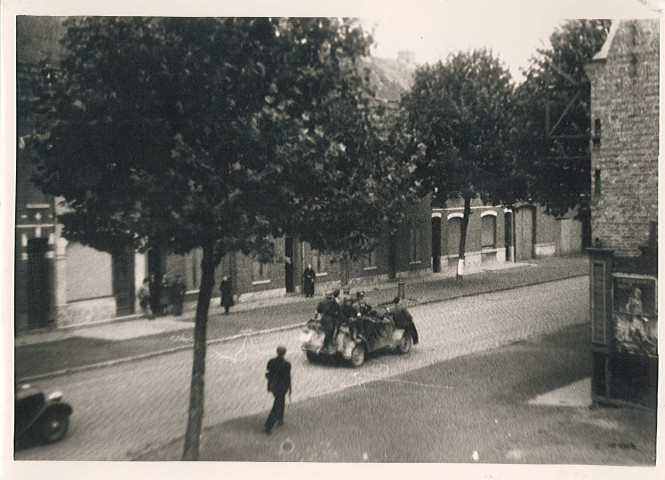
[86, 311]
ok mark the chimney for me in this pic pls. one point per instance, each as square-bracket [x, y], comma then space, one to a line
[406, 56]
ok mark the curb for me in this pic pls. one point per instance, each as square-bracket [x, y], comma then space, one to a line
[111, 363]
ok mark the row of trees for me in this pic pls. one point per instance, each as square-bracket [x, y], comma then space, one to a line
[223, 134]
[482, 137]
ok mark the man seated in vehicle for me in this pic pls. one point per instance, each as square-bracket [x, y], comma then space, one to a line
[363, 314]
[360, 305]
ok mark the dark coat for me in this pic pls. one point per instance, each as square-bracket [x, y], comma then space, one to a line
[403, 319]
[330, 312]
[279, 376]
[308, 281]
[178, 290]
[227, 293]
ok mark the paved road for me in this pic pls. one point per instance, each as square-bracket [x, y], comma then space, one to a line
[123, 410]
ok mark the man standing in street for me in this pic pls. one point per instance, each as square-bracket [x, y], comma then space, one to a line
[279, 384]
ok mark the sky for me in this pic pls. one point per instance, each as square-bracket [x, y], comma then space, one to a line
[513, 30]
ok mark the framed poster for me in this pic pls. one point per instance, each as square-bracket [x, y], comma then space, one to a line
[635, 315]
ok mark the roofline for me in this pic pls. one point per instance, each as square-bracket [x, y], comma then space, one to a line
[601, 56]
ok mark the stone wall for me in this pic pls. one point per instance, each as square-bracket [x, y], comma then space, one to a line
[624, 112]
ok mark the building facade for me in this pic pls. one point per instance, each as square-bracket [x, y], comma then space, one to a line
[497, 234]
[625, 86]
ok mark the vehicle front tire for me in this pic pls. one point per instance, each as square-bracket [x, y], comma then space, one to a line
[405, 343]
[55, 426]
[358, 356]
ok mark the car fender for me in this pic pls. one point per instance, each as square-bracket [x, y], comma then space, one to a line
[48, 409]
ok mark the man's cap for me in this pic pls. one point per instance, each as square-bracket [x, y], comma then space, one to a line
[396, 300]
[336, 293]
[281, 350]
[360, 294]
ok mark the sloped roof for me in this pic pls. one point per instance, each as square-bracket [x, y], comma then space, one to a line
[602, 54]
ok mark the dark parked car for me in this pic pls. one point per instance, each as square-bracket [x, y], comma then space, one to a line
[39, 418]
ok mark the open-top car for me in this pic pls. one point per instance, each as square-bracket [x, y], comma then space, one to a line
[39, 417]
[356, 337]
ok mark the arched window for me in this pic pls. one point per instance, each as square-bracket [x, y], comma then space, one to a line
[488, 229]
[454, 234]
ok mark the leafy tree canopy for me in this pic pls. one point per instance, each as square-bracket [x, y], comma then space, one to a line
[174, 131]
[554, 146]
[459, 115]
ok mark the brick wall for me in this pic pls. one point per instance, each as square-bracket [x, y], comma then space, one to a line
[624, 98]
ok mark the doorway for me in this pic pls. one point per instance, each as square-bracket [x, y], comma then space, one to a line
[508, 235]
[525, 226]
[288, 265]
[123, 282]
[436, 244]
[38, 293]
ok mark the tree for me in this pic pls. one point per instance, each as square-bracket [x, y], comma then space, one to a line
[181, 133]
[459, 116]
[553, 115]
[356, 180]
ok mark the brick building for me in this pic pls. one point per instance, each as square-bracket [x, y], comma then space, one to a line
[497, 234]
[624, 212]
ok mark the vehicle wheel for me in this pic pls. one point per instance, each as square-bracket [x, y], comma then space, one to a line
[55, 426]
[358, 356]
[311, 356]
[405, 343]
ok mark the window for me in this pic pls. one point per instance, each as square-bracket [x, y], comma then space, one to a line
[414, 241]
[454, 234]
[597, 182]
[260, 272]
[597, 131]
[488, 232]
[369, 261]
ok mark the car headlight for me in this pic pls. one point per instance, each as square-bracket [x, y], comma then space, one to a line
[55, 397]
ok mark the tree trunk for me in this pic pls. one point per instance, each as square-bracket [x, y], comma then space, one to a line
[195, 415]
[462, 238]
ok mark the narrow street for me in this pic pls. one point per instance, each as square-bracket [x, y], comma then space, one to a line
[124, 410]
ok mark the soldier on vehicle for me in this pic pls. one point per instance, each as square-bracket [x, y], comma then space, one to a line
[329, 311]
[403, 319]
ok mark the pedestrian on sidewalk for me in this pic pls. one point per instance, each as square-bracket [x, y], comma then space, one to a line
[143, 295]
[154, 282]
[308, 280]
[226, 293]
[178, 290]
[279, 384]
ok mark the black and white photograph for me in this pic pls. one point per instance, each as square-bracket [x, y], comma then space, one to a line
[295, 239]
